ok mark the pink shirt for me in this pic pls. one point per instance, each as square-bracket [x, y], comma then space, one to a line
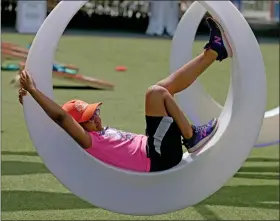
[121, 149]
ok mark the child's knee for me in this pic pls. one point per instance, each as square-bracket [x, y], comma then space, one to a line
[165, 83]
[154, 104]
[156, 91]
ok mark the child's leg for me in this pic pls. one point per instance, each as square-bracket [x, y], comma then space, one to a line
[216, 49]
[187, 74]
[160, 101]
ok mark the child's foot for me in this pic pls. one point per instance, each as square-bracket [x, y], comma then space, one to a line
[201, 134]
[218, 41]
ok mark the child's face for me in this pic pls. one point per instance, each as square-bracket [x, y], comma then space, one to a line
[94, 124]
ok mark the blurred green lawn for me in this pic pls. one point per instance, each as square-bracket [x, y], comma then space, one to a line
[30, 192]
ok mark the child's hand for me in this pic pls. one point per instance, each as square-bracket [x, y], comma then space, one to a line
[21, 93]
[26, 81]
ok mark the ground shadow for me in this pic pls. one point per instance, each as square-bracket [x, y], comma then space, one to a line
[240, 196]
[37, 200]
[20, 168]
[20, 153]
[264, 196]
[258, 172]
[207, 213]
[262, 159]
[64, 87]
[259, 169]
[257, 176]
[30, 153]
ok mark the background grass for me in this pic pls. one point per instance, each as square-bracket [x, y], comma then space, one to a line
[30, 192]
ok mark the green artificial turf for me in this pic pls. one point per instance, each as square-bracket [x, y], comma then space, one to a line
[30, 192]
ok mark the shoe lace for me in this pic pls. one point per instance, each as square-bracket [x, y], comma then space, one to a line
[200, 128]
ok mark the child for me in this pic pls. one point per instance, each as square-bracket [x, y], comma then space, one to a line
[166, 126]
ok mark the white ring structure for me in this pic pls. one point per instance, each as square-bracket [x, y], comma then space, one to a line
[202, 107]
[198, 175]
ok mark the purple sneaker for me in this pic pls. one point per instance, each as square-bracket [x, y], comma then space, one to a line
[218, 40]
[201, 134]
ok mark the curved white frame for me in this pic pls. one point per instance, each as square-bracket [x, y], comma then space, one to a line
[195, 106]
[197, 176]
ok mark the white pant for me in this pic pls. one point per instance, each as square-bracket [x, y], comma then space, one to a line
[164, 15]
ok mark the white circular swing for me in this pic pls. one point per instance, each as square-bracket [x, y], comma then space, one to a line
[198, 175]
[202, 107]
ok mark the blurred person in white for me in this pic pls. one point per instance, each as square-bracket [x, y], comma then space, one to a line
[164, 17]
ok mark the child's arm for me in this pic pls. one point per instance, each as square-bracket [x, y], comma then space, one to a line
[56, 113]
